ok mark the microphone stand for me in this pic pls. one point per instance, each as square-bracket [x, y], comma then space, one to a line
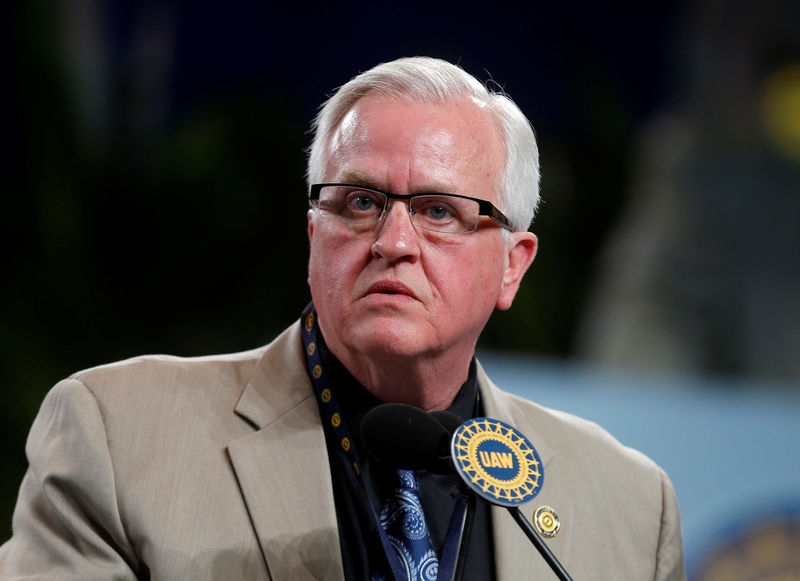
[466, 532]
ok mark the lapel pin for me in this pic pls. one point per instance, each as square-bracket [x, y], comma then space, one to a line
[546, 521]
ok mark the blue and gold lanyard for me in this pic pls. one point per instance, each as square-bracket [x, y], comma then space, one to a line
[332, 417]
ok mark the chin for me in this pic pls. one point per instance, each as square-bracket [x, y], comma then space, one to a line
[391, 340]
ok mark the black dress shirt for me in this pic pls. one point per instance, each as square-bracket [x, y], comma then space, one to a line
[362, 552]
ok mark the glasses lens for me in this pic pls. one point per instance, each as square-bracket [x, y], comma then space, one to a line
[356, 205]
[445, 213]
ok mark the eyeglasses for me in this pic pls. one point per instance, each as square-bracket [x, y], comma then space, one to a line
[362, 206]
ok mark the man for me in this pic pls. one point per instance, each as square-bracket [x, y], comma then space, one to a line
[249, 466]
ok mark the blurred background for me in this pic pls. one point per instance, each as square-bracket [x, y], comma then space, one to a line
[153, 200]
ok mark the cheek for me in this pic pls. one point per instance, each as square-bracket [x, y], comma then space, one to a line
[487, 284]
[325, 273]
[468, 280]
[332, 268]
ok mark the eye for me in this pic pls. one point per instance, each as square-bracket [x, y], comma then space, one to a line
[439, 212]
[362, 203]
[435, 209]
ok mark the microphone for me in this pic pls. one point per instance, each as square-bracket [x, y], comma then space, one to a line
[406, 437]
[450, 421]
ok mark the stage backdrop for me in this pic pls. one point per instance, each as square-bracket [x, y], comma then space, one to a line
[731, 449]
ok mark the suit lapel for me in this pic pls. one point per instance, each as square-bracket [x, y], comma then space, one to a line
[515, 556]
[282, 468]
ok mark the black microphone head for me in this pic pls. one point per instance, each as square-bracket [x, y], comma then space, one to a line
[449, 420]
[404, 436]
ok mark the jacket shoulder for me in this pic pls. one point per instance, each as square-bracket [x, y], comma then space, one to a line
[577, 436]
[137, 370]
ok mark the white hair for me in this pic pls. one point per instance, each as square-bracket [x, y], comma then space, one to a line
[430, 80]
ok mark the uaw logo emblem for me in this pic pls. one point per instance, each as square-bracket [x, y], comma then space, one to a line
[497, 462]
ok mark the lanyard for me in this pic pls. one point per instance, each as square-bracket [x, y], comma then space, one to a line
[333, 420]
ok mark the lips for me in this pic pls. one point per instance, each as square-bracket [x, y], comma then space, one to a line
[390, 288]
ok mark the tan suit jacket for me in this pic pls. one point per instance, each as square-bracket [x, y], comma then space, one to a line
[216, 468]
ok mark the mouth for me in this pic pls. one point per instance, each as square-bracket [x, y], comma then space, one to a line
[390, 288]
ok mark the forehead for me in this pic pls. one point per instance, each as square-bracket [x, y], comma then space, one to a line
[418, 145]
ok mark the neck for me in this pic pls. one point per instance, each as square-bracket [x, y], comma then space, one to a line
[429, 383]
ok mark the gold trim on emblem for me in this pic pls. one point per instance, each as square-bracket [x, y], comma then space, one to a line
[326, 395]
[309, 322]
[546, 521]
[317, 371]
[345, 444]
[311, 348]
[336, 419]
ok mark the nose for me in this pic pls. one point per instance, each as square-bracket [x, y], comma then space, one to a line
[396, 235]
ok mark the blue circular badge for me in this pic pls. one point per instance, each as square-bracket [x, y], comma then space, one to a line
[496, 461]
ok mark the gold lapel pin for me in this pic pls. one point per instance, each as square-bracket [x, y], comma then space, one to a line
[546, 521]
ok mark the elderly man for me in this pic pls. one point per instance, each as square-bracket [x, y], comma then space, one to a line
[249, 466]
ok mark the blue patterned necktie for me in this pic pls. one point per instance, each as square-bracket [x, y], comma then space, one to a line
[404, 522]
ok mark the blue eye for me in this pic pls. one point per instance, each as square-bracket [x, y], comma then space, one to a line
[435, 209]
[438, 212]
[362, 203]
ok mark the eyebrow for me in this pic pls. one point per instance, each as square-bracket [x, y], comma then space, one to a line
[362, 178]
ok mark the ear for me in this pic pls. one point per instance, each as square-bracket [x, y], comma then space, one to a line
[520, 252]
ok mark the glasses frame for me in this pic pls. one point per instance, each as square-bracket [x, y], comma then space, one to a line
[485, 207]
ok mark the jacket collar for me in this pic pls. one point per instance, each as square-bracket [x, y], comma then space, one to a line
[282, 364]
[282, 468]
